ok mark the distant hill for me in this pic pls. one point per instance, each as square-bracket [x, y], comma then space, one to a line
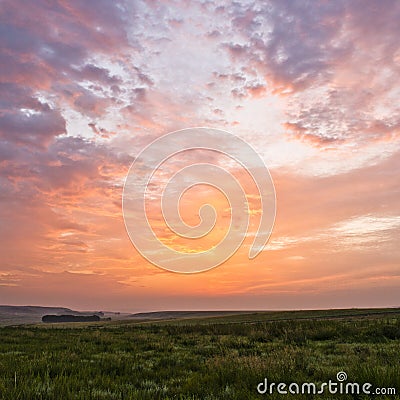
[17, 315]
[184, 314]
[240, 316]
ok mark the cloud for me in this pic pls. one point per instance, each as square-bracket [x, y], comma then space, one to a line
[336, 68]
[36, 129]
[84, 88]
[290, 43]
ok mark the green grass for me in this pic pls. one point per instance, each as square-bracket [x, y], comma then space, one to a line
[211, 358]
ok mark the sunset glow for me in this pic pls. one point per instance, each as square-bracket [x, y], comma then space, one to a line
[313, 88]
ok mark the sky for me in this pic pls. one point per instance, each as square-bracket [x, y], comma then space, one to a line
[314, 87]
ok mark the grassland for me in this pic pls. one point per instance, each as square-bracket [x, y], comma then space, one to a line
[218, 357]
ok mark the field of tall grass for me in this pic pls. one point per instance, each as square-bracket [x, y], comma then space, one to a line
[211, 358]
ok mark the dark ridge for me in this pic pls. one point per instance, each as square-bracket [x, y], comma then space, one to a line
[70, 318]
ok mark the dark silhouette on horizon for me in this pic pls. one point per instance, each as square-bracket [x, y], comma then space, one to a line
[70, 318]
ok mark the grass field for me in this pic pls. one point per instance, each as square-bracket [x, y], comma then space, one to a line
[219, 357]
